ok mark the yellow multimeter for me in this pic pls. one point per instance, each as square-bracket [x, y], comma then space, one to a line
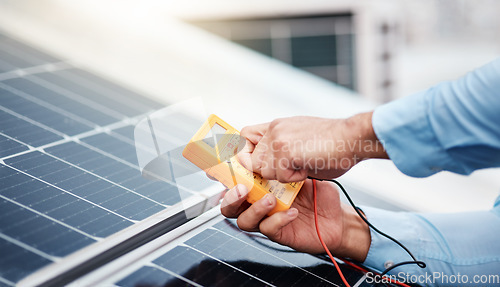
[213, 149]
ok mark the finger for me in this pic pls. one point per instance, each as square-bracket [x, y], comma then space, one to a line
[250, 219]
[257, 156]
[271, 226]
[211, 177]
[245, 155]
[254, 151]
[290, 175]
[233, 203]
[268, 170]
[254, 133]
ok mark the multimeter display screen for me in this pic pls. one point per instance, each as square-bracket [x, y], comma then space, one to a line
[216, 130]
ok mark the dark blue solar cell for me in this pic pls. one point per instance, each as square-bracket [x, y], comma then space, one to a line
[41, 114]
[6, 67]
[31, 56]
[96, 190]
[14, 60]
[83, 108]
[88, 89]
[127, 131]
[151, 276]
[202, 269]
[9, 147]
[117, 172]
[180, 259]
[110, 89]
[40, 232]
[24, 131]
[17, 262]
[112, 145]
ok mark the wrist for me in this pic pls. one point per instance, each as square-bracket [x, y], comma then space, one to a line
[363, 140]
[356, 238]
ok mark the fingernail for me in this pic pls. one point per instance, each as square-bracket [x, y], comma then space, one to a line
[237, 190]
[292, 212]
[241, 190]
[269, 200]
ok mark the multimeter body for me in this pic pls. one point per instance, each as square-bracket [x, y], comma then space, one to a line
[216, 156]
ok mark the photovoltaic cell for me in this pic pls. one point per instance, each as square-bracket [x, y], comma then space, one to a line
[114, 146]
[41, 114]
[111, 89]
[126, 132]
[81, 109]
[9, 146]
[97, 190]
[17, 261]
[39, 232]
[117, 172]
[59, 205]
[91, 92]
[18, 50]
[25, 131]
[152, 276]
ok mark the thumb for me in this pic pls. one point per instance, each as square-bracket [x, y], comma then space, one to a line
[271, 226]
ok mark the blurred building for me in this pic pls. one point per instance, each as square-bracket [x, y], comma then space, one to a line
[351, 43]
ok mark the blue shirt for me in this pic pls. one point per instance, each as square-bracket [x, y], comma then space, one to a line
[453, 126]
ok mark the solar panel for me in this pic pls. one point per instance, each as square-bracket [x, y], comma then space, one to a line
[68, 171]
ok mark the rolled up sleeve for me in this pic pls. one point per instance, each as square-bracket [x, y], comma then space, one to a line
[452, 126]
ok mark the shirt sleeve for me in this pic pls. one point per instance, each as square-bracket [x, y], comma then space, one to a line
[448, 243]
[452, 126]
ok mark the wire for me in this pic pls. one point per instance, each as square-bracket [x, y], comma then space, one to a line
[321, 239]
[420, 264]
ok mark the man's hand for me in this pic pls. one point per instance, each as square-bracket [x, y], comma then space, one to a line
[345, 234]
[290, 149]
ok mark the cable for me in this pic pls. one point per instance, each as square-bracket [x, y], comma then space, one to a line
[321, 239]
[420, 264]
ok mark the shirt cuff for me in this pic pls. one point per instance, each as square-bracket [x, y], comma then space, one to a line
[403, 128]
[402, 226]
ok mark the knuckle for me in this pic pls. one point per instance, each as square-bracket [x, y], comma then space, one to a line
[262, 209]
[267, 172]
[282, 177]
[275, 123]
[245, 131]
[279, 144]
[266, 229]
[243, 224]
[269, 228]
[224, 211]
